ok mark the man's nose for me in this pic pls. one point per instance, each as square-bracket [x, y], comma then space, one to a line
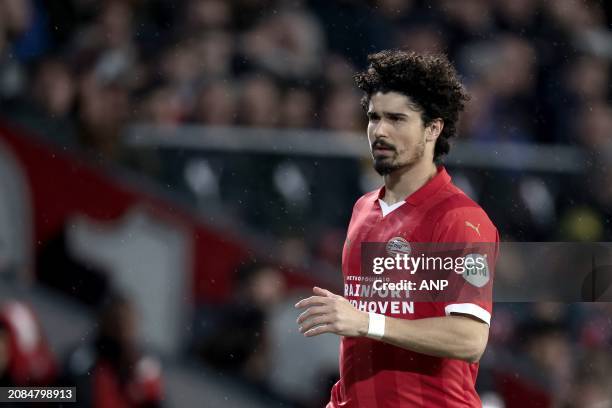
[381, 130]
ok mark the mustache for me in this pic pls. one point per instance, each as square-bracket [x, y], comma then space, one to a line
[383, 144]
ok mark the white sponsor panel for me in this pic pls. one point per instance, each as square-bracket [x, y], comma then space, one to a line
[149, 259]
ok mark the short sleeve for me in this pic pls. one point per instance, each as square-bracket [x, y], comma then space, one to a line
[473, 236]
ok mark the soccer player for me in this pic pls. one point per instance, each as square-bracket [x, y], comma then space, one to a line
[425, 356]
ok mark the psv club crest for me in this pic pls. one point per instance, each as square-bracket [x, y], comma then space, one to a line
[398, 246]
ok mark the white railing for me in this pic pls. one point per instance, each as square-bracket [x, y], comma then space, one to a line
[490, 155]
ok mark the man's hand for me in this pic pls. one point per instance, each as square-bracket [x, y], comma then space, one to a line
[330, 313]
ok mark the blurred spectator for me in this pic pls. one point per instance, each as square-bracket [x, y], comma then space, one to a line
[593, 126]
[342, 111]
[215, 53]
[237, 337]
[583, 83]
[259, 102]
[207, 15]
[16, 15]
[504, 89]
[512, 72]
[217, 104]
[26, 21]
[518, 16]
[116, 22]
[575, 16]
[102, 111]
[595, 333]
[49, 103]
[467, 21]
[54, 90]
[113, 371]
[25, 356]
[298, 108]
[338, 71]
[287, 44]
[180, 64]
[422, 39]
[11, 72]
[476, 121]
[548, 347]
[106, 46]
[587, 79]
[164, 106]
[593, 381]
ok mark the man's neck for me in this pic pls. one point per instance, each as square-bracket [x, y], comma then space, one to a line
[403, 182]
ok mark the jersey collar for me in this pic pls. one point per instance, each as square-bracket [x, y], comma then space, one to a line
[441, 179]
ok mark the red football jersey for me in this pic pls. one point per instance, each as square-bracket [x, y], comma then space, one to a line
[374, 374]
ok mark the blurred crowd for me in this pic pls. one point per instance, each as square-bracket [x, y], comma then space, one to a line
[108, 368]
[548, 354]
[538, 72]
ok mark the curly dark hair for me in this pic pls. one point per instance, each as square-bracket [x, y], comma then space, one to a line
[430, 81]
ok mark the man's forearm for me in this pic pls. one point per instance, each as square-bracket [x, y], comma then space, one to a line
[451, 336]
[454, 336]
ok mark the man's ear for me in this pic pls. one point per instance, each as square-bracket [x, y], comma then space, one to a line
[434, 129]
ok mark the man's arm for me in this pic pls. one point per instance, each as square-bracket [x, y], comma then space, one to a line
[455, 336]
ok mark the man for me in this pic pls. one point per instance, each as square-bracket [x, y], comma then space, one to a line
[113, 371]
[426, 355]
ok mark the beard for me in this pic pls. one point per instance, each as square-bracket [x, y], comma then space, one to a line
[385, 165]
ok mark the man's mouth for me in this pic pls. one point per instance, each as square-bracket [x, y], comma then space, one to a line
[382, 147]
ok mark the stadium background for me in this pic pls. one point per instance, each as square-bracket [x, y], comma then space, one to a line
[189, 167]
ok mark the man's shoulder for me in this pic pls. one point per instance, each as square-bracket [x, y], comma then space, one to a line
[455, 206]
[453, 199]
[368, 197]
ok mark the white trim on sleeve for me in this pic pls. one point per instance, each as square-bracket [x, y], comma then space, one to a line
[471, 309]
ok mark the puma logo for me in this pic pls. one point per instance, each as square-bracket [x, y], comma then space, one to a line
[474, 227]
